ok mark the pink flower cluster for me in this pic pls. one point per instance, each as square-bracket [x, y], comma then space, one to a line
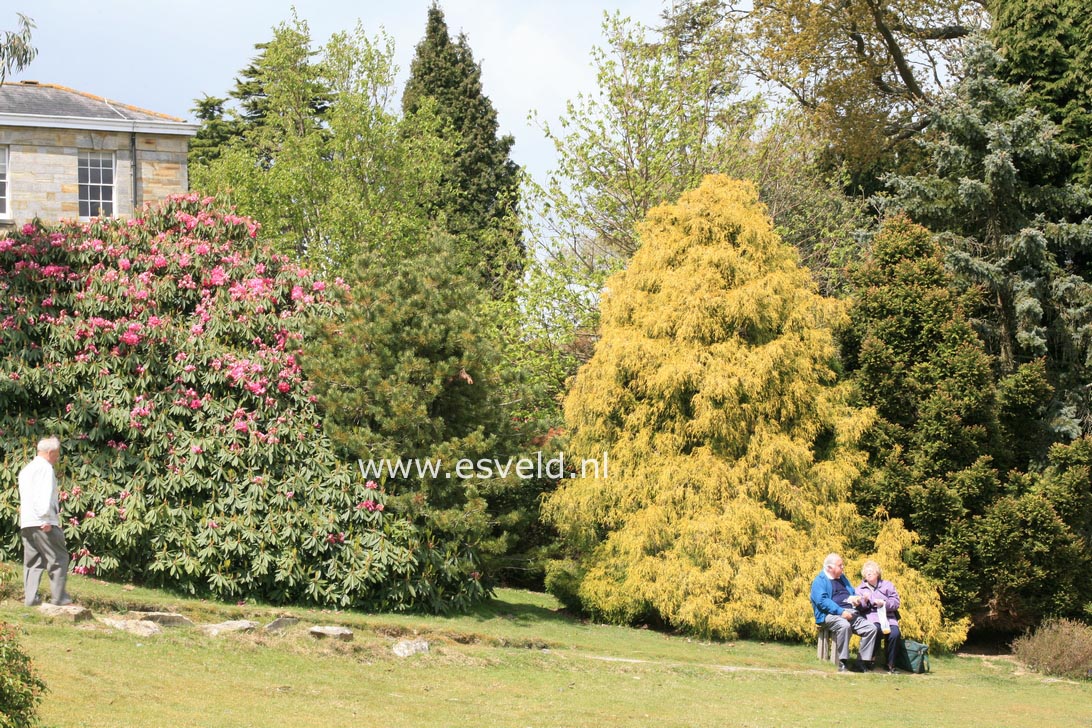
[252, 289]
[132, 335]
[192, 400]
[142, 408]
[82, 557]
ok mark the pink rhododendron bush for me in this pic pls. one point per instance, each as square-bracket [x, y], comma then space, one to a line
[164, 353]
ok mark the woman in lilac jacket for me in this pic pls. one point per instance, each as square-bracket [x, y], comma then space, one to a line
[880, 599]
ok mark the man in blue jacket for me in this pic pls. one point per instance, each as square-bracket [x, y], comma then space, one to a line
[835, 605]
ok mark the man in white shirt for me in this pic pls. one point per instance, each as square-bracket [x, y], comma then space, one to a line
[40, 525]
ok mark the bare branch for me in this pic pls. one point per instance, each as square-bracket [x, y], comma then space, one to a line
[902, 66]
[944, 32]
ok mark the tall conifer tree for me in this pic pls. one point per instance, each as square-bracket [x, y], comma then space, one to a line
[290, 67]
[217, 129]
[996, 187]
[480, 201]
[917, 361]
[731, 444]
[285, 79]
[1047, 46]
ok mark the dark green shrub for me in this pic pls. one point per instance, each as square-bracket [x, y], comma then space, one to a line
[20, 688]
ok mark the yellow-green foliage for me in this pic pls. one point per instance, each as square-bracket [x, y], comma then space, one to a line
[732, 445]
[921, 617]
[9, 582]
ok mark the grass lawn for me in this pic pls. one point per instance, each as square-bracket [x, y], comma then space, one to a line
[513, 662]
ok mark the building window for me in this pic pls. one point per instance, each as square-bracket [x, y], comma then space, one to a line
[4, 207]
[96, 170]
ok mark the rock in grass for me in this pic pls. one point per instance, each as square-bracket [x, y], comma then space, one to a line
[165, 619]
[235, 625]
[70, 612]
[405, 648]
[139, 627]
[337, 633]
[280, 624]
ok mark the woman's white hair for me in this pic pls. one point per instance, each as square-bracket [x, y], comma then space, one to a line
[49, 444]
[869, 565]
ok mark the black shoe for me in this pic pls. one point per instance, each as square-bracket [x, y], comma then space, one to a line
[892, 671]
[867, 666]
[843, 667]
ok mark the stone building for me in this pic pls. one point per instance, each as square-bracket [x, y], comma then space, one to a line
[65, 154]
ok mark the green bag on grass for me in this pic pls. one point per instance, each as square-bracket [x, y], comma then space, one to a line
[912, 657]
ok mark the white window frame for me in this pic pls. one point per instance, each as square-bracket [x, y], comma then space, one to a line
[5, 181]
[83, 196]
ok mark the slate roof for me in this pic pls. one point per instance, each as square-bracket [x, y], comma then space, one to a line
[44, 99]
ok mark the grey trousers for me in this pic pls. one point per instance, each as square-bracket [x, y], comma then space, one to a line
[842, 629]
[44, 552]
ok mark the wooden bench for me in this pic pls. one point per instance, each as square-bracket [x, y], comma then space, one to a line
[824, 647]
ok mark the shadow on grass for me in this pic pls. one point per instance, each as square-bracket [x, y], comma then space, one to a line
[520, 613]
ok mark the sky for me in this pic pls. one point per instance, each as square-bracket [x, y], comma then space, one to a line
[162, 55]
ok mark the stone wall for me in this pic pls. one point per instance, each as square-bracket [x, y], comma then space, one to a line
[42, 170]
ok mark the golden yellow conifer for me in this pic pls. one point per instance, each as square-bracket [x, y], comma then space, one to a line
[731, 443]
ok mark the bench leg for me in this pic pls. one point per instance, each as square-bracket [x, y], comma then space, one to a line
[824, 648]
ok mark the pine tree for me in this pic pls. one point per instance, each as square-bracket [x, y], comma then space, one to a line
[217, 129]
[996, 188]
[1047, 46]
[409, 373]
[1067, 485]
[480, 200]
[916, 356]
[284, 79]
[407, 368]
[289, 69]
[732, 446]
